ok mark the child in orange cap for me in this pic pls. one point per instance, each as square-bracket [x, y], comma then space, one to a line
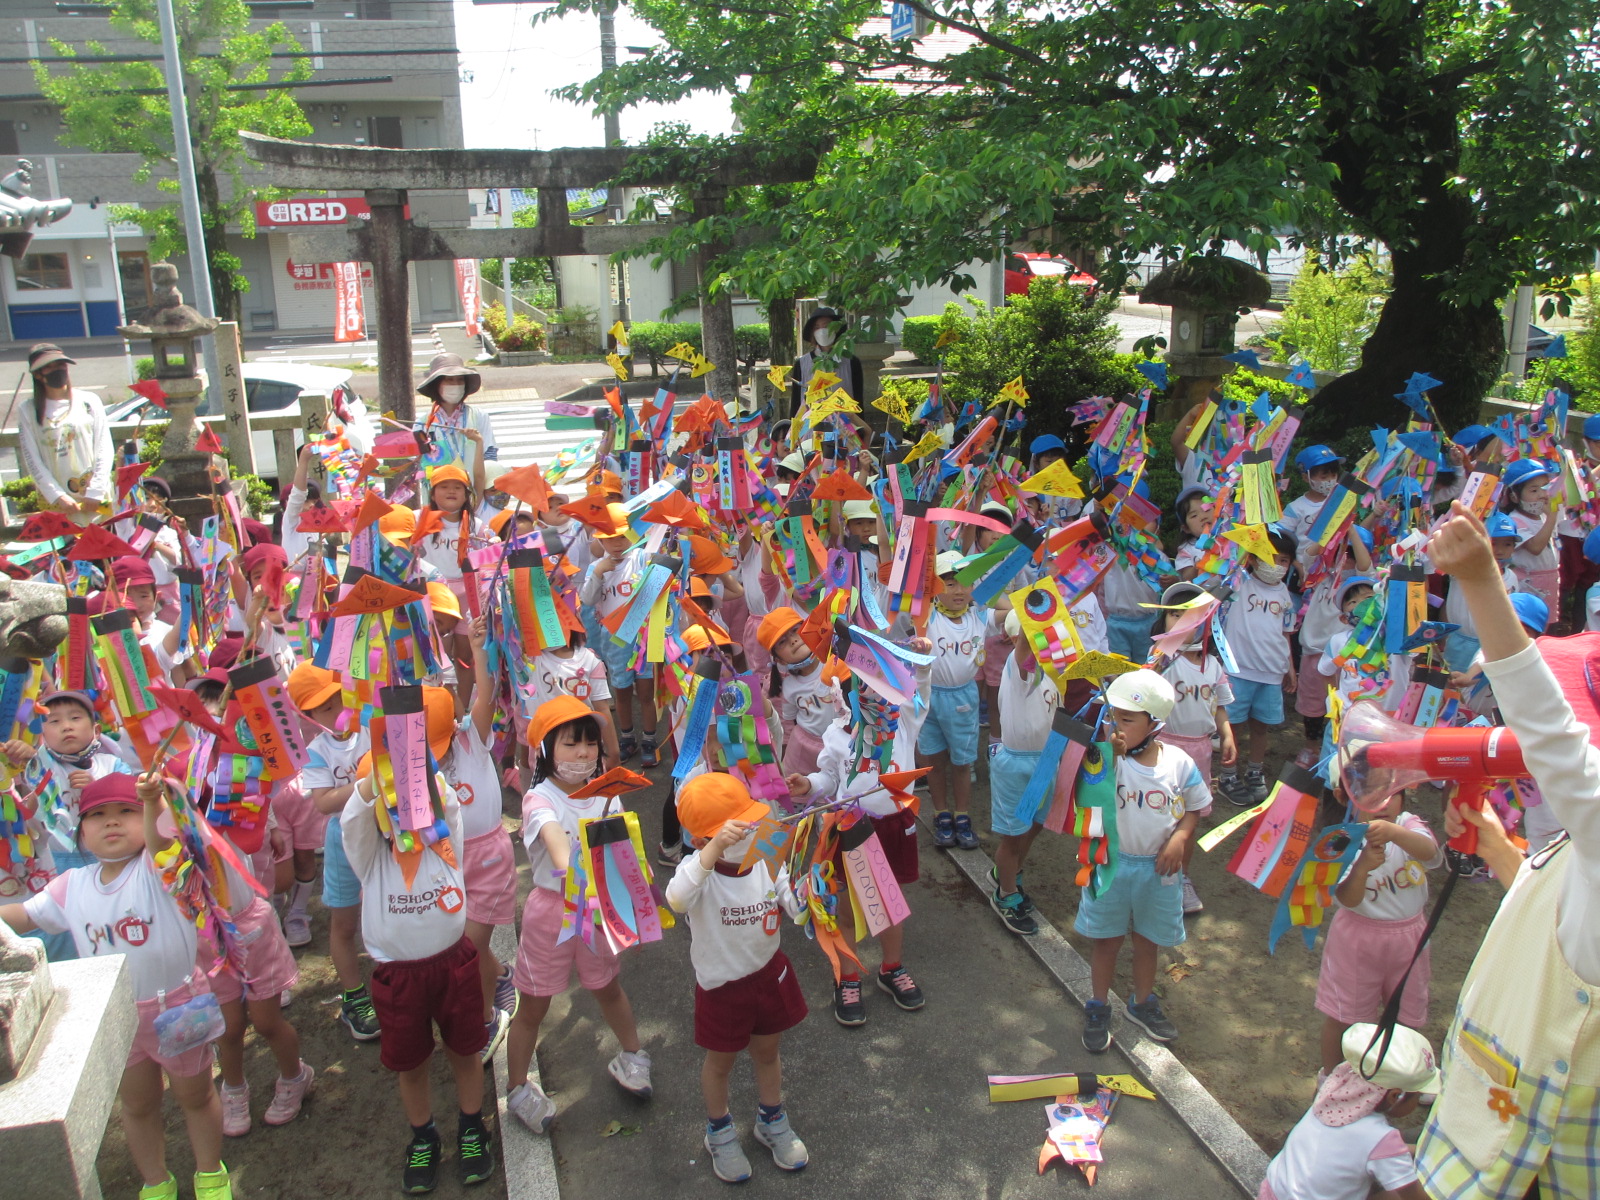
[746, 993]
[809, 703]
[565, 737]
[602, 585]
[445, 548]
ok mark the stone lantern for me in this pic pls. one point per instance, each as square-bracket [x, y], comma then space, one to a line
[1206, 295]
[173, 331]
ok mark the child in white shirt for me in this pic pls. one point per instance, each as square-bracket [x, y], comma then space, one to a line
[1257, 626]
[808, 705]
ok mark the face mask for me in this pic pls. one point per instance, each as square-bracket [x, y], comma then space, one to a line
[823, 337]
[575, 771]
[1270, 575]
[799, 668]
[451, 392]
[736, 852]
[1323, 487]
[1534, 508]
[56, 378]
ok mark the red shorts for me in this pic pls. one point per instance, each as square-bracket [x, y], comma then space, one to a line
[415, 995]
[269, 965]
[898, 837]
[764, 1002]
[490, 870]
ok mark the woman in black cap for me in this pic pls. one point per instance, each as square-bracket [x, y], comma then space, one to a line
[65, 438]
[448, 384]
[820, 337]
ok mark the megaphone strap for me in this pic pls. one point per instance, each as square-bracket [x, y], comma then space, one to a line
[1391, 1009]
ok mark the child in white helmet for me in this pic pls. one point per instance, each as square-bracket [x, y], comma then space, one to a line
[1160, 800]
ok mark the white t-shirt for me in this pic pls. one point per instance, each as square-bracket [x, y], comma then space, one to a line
[1455, 604]
[582, 675]
[837, 756]
[1299, 515]
[1029, 707]
[1090, 623]
[441, 550]
[1188, 555]
[1257, 619]
[330, 762]
[1326, 1162]
[1398, 890]
[810, 703]
[471, 770]
[401, 922]
[1124, 591]
[1152, 800]
[1525, 560]
[132, 915]
[957, 644]
[734, 920]
[1200, 688]
[544, 803]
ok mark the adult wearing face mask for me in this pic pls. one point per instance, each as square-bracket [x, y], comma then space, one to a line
[819, 338]
[65, 439]
[448, 384]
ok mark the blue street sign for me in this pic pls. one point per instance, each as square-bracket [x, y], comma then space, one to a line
[902, 22]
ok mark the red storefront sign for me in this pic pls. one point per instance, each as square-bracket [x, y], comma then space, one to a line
[319, 211]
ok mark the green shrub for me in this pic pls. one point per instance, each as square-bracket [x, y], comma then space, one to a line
[144, 368]
[752, 343]
[918, 334]
[523, 333]
[653, 339]
[21, 496]
[1330, 314]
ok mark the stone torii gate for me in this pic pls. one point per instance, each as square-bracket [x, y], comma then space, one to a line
[389, 239]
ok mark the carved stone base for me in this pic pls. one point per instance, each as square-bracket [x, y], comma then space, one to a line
[24, 995]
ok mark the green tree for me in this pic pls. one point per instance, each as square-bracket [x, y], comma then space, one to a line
[531, 273]
[1331, 314]
[122, 108]
[1459, 136]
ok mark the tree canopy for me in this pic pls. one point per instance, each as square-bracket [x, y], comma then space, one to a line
[1458, 134]
[122, 108]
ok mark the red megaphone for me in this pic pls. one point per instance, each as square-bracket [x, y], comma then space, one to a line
[1379, 756]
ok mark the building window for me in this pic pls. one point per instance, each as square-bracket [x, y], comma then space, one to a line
[385, 131]
[43, 272]
[375, 10]
[8, 138]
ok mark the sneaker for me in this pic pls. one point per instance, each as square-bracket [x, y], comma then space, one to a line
[631, 1070]
[1191, 898]
[648, 757]
[728, 1162]
[944, 830]
[212, 1185]
[899, 984]
[994, 885]
[983, 714]
[235, 1110]
[297, 929]
[847, 1007]
[421, 1172]
[497, 1033]
[1306, 759]
[165, 1190]
[1097, 1026]
[474, 1155]
[1149, 1017]
[1009, 910]
[965, 838]
[626, 746]
[506, 998]
[1255, 783]
[532, 1107]
[788, 1151]
[358, 1016]
[1234, 791]
[669, 856]
[288, 1095]
[285, 997]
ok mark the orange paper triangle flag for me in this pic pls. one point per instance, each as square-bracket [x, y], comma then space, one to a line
[372, 507]
[409, 861]
[593, 513]
[677, 510]
[615, 782]
[445, 850]
[429, 520]
[841, 485]
[528, 485]
[372, 595]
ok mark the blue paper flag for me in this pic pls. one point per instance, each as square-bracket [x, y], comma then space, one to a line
[1245, 358]
[1301, 376]
[1427, 634]
[1155, 372]
[1557, 347]
[1334, 846]
[1262, 408]
[1417, 402]
[1421, 381]
[1423, 444]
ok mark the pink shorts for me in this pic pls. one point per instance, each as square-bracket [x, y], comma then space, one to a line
[995, 650]
[147, 1044]
[298, 817]
[1362, 962]
[263, 863]
[1311, 694]
[1198, 748]
[544, 968]
[800, 750]
[268, 962]
[1544, 584]
[490, 868]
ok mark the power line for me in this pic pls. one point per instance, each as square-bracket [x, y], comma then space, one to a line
[232, 87]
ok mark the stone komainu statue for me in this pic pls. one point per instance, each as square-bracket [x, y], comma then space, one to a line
[21, 213]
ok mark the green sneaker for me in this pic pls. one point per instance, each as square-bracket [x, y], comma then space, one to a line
[166, 1190]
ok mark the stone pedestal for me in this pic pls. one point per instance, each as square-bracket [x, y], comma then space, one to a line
[53, 1115]
[24, 995]
[872, 355]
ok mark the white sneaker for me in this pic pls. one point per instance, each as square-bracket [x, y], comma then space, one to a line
[297, 929]
[728, 1162]
[235, 1110]
[1191, 898]
[497, 1034]
[788, 1151]
[532, 1107]
[285, 997]
[632, 1072]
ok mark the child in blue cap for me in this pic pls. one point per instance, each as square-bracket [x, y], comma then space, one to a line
[1527, 498]
[1591, 598]
[1319, 466]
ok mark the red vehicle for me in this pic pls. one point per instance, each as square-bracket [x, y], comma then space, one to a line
[1023, 267]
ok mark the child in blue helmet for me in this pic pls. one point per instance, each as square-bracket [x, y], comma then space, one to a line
[1528, 500]
[1462, 647]
[1320, 467]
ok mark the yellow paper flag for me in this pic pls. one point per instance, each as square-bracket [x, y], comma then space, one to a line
[946, 338]
[701, 365]
[778, 377]
[1253, 539]
[1210, 840]
[837, 400]
[1013, 393]
[616, 364]
[931, 443]
[1095, 665]
[618, 332]
[1202, 423]
[683, 351]
[820, 382]
[1055, 480]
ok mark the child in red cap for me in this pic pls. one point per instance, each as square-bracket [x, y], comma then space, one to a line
[746, 993]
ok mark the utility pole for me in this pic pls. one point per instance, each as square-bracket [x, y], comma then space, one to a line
[613, 130]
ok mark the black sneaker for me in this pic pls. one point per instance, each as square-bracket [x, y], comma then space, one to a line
[944, 830]
[1097, 1027]
[358, 1016]
[626, 747]
[847, 1007]
[647, 753]
[994, 885]
[899, 984]
[1149, 1017]
[475, 1155]
[965, 838]
[422, 1165]
[1009, 910]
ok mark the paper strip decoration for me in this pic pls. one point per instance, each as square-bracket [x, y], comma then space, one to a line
[272, 717]
[1310, 892]
[1267, 856]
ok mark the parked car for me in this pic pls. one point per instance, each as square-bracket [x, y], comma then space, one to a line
[1022, 268]
[271, 389]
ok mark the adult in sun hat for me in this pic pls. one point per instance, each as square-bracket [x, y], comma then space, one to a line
[448, 383]
[65, 438]
[819, 343]
[1346, 1147]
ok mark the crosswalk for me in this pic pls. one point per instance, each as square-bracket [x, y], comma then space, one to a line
[349, 354]
[519, 430]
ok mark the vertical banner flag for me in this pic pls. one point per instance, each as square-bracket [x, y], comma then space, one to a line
[467, 285]
[349, 314]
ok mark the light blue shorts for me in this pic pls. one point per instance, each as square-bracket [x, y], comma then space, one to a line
[1129, 636]
[1255, 701]
[1150, 904]
[1009, 772]
[1460, 650]
[616, 658]
[340, 887]
[952, 724]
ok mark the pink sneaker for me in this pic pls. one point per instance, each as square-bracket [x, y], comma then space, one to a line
[288, 1096]
[235, 1110]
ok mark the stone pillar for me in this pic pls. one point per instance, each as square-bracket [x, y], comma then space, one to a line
[392, 290]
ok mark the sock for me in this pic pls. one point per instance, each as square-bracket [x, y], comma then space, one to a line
[770, 1112]
[243, 1087]
[467, 1122]
[356, 993]
[850, 977]
[625, 733]
[889, 966]
[299, 896]
[428, 1132]
[718, 1123]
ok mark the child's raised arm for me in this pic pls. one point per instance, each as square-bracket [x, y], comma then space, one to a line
[152, 791]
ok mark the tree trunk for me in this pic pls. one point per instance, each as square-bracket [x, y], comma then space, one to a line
[219, 259]
[780, 331]
[716, 313]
